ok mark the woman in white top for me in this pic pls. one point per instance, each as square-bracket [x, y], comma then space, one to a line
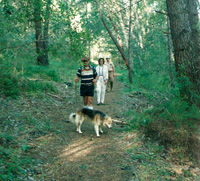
[102, 80]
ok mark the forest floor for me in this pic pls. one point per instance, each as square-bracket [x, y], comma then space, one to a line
[61, 153]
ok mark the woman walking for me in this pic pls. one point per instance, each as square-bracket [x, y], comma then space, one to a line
[102, 80]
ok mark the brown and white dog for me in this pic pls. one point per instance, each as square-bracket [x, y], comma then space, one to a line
[96, 117]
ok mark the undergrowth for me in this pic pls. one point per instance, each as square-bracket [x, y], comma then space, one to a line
[21, 87]
[32, 78]
[165, 117]
[152, 162]
[174, 124]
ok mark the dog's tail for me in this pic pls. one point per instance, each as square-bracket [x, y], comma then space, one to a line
[72, 117]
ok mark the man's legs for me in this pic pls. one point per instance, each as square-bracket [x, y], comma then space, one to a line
[108, 84]
[111, 86]
[111, 80]
[107, 87]
[87, 94]
[85, 101]
[90, 102]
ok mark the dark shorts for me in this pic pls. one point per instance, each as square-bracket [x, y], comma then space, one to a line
[87, 90]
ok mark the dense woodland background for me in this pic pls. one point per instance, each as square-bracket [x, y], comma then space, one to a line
[153, 43]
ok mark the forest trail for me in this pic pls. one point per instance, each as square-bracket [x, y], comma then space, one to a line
[116, 155]
[74, 156]
[48, 148]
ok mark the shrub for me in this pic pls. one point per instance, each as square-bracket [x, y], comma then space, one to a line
[8, 82]
[173, 123]
[9, 86]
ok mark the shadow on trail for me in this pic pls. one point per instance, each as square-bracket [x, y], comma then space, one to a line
[86, 157]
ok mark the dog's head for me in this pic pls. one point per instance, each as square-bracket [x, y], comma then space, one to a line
[108, 121]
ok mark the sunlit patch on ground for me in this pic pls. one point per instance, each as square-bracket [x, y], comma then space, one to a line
[78, 149]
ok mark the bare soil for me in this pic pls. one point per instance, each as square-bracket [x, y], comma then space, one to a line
[74, 156]
[59, 153]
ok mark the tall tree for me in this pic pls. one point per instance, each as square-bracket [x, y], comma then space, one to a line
[41, 31]
[121, 51]
[170, 53]
[129, 41]
[46, 32]
[192, 8]
[186, 56]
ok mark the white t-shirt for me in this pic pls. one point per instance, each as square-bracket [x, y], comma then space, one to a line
[110, 65]
[102, 71]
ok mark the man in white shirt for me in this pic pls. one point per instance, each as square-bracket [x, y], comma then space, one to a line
[111, 73]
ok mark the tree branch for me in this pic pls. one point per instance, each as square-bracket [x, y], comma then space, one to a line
[19, 45]
[112, 37]
[161, 12]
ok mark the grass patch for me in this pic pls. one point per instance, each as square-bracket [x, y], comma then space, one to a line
[19, 159]
[34, 79]
[163, 115]
[152, 162]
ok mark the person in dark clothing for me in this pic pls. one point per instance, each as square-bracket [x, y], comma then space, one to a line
[88, 76]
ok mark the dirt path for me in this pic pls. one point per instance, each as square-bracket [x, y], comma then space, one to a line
[38, 139]
[73, 156]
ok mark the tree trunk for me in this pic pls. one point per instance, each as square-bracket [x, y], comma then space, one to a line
[117, 32]
[194, 20]
[46, 33]
[40, 45]
[129, 43]
[116, 43]
[185, 56]
[192, 7]
[170, 54]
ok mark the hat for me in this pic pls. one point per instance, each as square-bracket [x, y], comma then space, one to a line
[107, 57]
[86, 58]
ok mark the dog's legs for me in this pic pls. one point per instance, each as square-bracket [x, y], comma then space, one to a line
[79, 127]
[96, 127]
[100, 129]
[79, 121]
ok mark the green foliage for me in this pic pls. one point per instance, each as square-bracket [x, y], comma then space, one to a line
[17, 158]
[186, 89]
[10, 163]
[70, 39]
[151, 164]
[172, 123]
[8, 81]
[167, 117]
[33, 79]
[34, 86]
[9, 86]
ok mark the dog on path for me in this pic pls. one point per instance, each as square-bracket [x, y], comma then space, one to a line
[96, 117]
